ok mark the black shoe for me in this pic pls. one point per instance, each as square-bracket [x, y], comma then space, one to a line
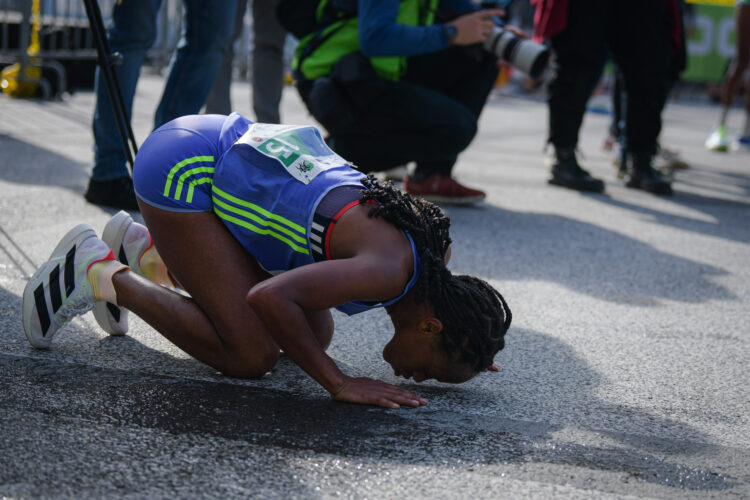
[568, 173]
[117, 193]
[642, 175]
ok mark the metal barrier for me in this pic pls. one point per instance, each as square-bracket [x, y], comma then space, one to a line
[46, 46]
[42, 42]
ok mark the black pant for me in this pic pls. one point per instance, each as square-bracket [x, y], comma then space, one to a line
[637, 34]
[429, 116]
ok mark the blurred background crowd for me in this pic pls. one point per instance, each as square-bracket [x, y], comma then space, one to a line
[623, 58]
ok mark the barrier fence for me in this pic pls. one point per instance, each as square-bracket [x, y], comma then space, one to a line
[46, 46]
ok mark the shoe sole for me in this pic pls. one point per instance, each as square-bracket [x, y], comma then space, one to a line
[588, 189]
[111, 318]
[667, 190]
[75, 236]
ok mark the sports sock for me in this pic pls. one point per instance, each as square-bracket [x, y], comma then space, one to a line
[154, 268]
[100, 275]
[723, 116]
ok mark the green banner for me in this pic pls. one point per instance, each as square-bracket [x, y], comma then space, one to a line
[711, 42]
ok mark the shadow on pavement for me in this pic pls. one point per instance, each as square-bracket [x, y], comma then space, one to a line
[541, 371]
[729, 216]
[26, 163]
[583, 257]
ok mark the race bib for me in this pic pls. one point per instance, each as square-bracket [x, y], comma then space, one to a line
[299, 149]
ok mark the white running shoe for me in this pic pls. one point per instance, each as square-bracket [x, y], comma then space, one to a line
[60, 289]
[129, 241]
[717, 141]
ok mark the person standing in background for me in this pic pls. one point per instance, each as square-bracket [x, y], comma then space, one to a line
[580, 32]
[267, 64]
[206, 32]
[717, 141]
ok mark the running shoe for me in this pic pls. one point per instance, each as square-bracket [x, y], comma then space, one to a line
[131, 243]
[717, 141]
[439, 188]
[670, 159]
[60, 289]
[742, 142]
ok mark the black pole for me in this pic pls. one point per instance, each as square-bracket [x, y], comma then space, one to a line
[622, 126]
[106, 62]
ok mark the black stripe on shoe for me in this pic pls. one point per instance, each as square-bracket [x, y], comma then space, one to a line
[70, 283]
[41, 308]
[114, 311]
[121, 256]
[54, 289]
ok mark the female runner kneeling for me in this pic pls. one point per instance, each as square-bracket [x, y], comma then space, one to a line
[266, 229]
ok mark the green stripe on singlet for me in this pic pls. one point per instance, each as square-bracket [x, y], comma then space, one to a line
[247, 225]
[189, 173]
[197, 182]
[177, 167]
[262, 211]
[257, 220]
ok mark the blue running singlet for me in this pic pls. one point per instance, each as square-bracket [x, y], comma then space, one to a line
[263, 181]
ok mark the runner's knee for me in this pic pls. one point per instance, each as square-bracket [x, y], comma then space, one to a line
[254, 362]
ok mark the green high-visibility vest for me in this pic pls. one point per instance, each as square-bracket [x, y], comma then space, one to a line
[342, 37]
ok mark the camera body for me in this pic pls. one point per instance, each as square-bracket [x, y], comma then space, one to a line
[530, 57]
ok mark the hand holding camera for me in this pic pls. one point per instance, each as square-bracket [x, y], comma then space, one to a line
[475, 27]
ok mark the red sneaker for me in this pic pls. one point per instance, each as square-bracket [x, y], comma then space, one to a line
[439, 188]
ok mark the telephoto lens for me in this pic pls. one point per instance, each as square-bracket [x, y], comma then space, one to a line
[530, 57]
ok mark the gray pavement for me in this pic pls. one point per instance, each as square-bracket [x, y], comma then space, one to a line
[625, 373]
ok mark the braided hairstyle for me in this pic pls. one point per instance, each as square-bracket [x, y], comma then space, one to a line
[474, 315]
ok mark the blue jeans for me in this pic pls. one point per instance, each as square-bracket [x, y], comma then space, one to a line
[206, 33]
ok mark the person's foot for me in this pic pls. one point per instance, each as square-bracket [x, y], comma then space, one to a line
[717, 141]
[117, 193]
[60, 289]
[439, 188]
[671, 160]
[132, 245]
[742, 142]
[643, 175]
[566, 172]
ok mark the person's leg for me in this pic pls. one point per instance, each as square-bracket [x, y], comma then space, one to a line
[268, 62]
[206, 34]
[466, 75]
[407, 123]
[642, 46]
[718, 141]
[578, 54]
[742, 61]
[215, 325]
[132, 33]
[219, 99]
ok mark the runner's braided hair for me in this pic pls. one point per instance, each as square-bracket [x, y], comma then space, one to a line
[475, 316]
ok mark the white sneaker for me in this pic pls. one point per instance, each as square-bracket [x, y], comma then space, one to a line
[129, 241]
[717, 141]
[60, 289]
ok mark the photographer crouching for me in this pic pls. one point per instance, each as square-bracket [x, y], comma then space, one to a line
[400, 81]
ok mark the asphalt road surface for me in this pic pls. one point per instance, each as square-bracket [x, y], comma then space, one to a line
[625, 373]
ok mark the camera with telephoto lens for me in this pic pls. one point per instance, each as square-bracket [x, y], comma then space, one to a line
[530, 57]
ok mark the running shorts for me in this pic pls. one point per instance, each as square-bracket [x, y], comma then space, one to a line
[174, 168]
